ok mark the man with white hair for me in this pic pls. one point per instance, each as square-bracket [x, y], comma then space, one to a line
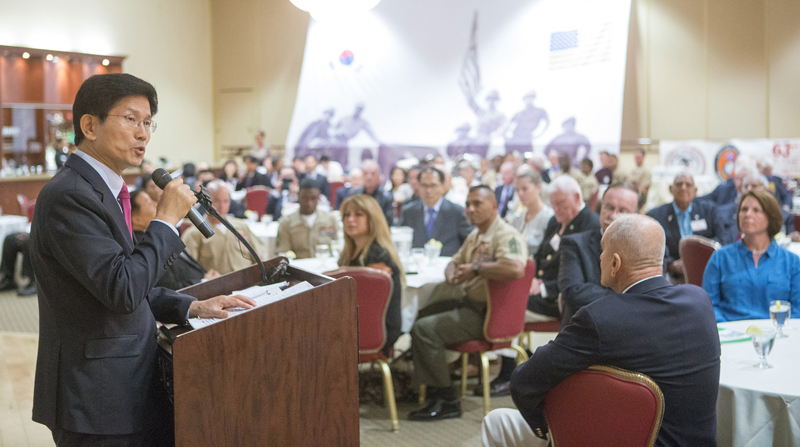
[221, 252]
[505, 192]
[572, 216]
[627, 329]
[372, 187]
[730, 191]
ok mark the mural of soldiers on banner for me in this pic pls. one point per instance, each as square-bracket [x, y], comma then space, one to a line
[523, 125]
[570, 143]
[317, 139]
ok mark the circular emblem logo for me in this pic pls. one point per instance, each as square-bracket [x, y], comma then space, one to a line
[346, 58]
[687, 157]
[725, 162]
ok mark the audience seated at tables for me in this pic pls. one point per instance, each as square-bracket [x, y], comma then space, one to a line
[532, 217]
[150, 187]
[686, 216]
[590, 181]
[367, 242]
[605, 175]
[372, 187]
[303, 230]
[579, 272]
[743, 277]
[204, 177]
[571, 216]
[728, 213]
[494, 250]
[185, 270]
[647, 326]
[434, 217]
[776, 185]
[397, 186]
[251, 176]
[332, 170]
[285, 191]
[299, 166]
[413, 182]
[587, 186]
[731, 190]
[230, 173]
[221, 252]
[274, 171]
[461, 184]
[13, 244]
[355, 180]
[640, 176]
[313, 174]
[505, 192]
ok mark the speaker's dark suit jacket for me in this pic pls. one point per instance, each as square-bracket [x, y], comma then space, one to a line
[450, 227]
[498, 194]
[98, 306]
[184, 272]
[548, 259]
[701, 210]
[666, 332]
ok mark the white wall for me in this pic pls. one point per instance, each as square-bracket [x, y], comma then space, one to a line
[166, 42]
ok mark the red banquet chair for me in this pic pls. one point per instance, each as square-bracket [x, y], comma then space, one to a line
[538, 326]
[695, 252]
[335, 187]
[505, 320]
[604, 406]
[26, 207]
[256, 199]
[373, 292]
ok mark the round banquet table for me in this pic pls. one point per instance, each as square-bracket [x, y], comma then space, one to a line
[759, 407]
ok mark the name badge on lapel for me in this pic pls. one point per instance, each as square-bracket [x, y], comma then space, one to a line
[699, 225]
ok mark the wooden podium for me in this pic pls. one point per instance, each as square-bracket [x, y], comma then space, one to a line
[283, 374]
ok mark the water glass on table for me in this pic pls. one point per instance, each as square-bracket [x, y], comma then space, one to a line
[418, 255]
[323, 251]
[763, 340]
[432, 251]
[779, 313]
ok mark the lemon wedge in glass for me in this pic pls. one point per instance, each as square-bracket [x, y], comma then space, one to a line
[754, 330]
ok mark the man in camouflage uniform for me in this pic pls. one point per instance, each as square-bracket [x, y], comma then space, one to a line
[494, 250]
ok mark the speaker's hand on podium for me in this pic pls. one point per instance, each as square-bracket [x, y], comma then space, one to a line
[214, 307]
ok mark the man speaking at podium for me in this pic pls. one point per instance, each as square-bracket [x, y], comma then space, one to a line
[96, 381]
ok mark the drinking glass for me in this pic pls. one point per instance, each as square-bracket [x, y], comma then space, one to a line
[418, 255]
[763, 345]
[336, 249]
[779, 313]
[432, 251]
[323, 251]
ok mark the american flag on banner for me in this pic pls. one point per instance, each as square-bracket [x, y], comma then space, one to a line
[582, 46]
[470, 78]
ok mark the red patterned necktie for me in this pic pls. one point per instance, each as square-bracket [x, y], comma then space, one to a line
[125, 199]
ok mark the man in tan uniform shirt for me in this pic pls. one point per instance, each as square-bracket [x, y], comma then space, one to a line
[494, 250]
[222, 252]
[303, 230]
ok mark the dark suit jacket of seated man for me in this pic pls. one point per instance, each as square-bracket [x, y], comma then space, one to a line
[548, 256]
[704, 221]
[450, 226]
[666, 332]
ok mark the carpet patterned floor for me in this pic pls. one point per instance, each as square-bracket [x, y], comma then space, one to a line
[19, 328]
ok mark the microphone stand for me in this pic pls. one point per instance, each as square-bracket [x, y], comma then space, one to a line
[205, 201]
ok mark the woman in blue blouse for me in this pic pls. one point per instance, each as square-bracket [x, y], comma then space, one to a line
[743, 277]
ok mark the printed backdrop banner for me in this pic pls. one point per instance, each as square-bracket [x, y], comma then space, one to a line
[717, 158]
[416, 77]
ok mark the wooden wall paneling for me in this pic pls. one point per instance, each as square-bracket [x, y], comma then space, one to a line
[23, 80]
[783, 44]
[737, 69]
[677, 69]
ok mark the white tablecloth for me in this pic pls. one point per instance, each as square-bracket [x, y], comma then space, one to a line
[12, 224]
[268, 233]
[418, 286]
[759, 407]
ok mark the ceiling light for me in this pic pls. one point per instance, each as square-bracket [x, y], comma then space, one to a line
[26, 55]
[49, 57]
[105, 62]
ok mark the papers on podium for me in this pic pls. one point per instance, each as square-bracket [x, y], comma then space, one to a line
[262, 295]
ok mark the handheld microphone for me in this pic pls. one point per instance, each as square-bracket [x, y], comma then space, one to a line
[161, 177]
